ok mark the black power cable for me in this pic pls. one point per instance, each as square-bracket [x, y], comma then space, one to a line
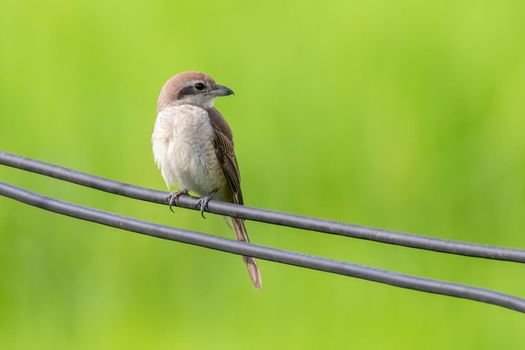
[268, 216]
[262, 252]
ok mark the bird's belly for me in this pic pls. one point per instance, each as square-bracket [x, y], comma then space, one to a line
[186, 154]
[195, 166]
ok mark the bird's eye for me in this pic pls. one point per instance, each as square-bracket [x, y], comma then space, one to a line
[200, 86]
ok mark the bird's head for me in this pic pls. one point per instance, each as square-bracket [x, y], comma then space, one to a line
[194, 88]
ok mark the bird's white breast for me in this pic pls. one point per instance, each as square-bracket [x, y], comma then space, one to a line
[183, 149]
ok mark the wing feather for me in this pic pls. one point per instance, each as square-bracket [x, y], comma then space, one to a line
[223, 143]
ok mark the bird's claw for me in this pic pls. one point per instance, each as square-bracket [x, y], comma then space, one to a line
[202, 203]
[174, 196]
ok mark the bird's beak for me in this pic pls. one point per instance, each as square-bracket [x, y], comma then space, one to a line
[220, 90]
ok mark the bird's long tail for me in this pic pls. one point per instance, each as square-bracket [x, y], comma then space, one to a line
[240, 231]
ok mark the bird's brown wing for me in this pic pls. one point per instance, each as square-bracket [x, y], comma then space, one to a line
[223, 143]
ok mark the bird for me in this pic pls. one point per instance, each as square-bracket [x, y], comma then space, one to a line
[193, 148]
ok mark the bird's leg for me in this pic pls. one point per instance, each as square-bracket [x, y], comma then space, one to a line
[174, 196]
[202, 204]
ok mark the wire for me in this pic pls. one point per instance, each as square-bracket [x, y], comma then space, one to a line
[268, 216]
[262, 252]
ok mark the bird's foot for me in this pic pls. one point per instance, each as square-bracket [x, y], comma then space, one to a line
[202, 204]
[174, 196]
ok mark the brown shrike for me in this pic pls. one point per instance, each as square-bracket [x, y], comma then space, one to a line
[193, 147]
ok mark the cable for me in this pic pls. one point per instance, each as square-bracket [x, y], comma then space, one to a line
[268, 216]
[262, 252]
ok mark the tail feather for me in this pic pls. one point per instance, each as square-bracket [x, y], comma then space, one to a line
[240, 232]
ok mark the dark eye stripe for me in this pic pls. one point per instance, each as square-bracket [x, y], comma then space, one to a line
[190, 90]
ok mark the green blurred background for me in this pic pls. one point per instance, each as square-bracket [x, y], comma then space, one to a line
[405, 115]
